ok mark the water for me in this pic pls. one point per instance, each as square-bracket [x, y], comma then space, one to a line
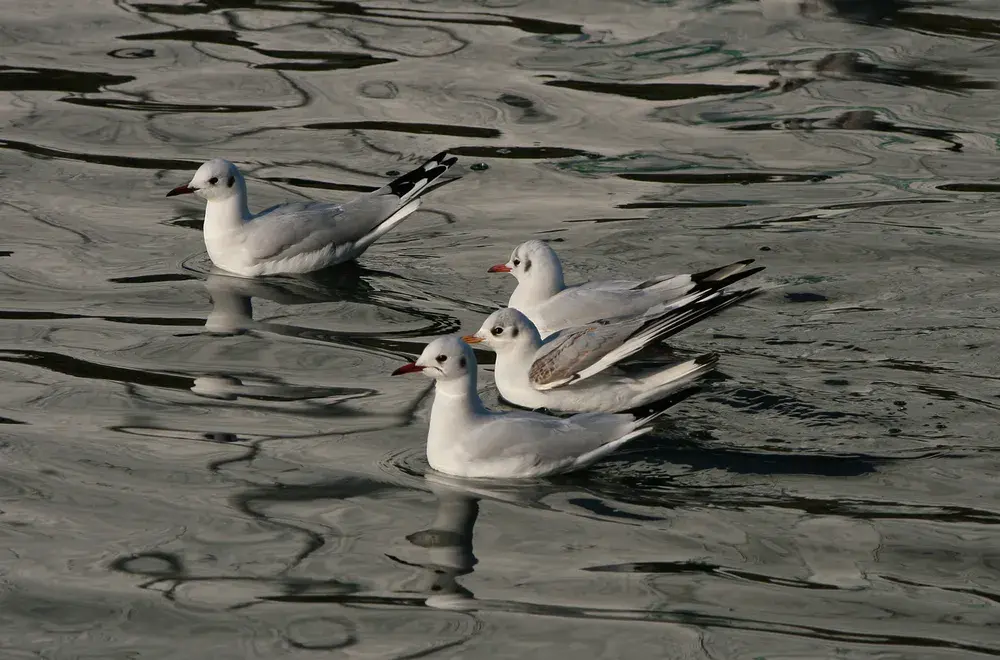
[200, 467]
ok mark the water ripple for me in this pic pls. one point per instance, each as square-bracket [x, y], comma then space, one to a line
[195, 463]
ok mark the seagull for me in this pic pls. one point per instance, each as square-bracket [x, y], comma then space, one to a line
[543, 296]
[572, 370]
[467, 440]
[299, 237]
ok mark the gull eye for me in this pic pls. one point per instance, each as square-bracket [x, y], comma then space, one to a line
[214, 180]
[442, 358]
[497, 331]
[517, 262]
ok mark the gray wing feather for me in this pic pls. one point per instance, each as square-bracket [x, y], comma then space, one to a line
[289, 229]
[564, 355]
[542, 439]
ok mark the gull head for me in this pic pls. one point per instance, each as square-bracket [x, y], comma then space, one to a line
[505, 329]
[445, 358]
[531, 261]
[215, 181]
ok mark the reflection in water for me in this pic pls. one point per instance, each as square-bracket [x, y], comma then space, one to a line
[262, 389]
[232, 304]
[57, 80]
[448, 542]
[849, 65]
[853, 120]
[901, 14]
[862, 11]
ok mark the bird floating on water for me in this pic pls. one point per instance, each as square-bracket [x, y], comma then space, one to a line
[543, 296]
[300, 237]
[465, 439]
[575, 370]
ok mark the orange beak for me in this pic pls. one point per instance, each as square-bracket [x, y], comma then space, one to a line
[471, 339]
[499, 268]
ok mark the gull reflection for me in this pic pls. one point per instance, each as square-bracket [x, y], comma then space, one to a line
[790, 74]
[448, 542]
[231, 295]
[232, 313]
[448, 539]
[857, 11]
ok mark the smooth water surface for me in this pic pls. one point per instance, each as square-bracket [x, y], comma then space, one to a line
[198, 466]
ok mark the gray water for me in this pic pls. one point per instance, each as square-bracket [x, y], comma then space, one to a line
[196, 466]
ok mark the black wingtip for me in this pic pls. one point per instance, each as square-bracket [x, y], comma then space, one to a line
[710, 273]
[422, 176]
[443, 158]
[710, 280]
[676, 320]
[707, 358]
[729, 298]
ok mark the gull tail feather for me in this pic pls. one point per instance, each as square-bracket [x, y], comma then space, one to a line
[663, 382]
[594, 455]
[415, 183]
[719, 278]
[661, 327]
[694, 308]
[401, 214]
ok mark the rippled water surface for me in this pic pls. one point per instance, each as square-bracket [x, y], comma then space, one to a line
[198, 466]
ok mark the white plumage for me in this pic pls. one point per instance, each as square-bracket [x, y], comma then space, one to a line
[465, 439]
[543, 296]
[299, 237]
[575, 369]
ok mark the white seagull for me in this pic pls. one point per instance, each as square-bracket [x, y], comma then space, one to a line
[466, 439]
[299, 237]
[572, 370]
[542, 294]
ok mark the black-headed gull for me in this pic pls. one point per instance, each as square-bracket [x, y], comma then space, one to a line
[299, 237]
[542, 294]
[466, 439]
[571, 371]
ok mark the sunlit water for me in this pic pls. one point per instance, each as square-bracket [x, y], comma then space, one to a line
[197, 466]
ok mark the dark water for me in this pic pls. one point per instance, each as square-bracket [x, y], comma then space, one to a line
[195, 466]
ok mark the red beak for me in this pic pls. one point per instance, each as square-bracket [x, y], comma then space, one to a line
[410, 368]
[181, 190]
[499, 268]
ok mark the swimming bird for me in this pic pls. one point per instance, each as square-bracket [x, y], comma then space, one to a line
[543, 296]
[574, 370]
[465, 439]
[299, 237]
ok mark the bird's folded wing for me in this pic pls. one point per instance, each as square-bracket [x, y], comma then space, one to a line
[564, 355]
[661, 281]
[608, 285]
[287, 230]
[541, 438]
